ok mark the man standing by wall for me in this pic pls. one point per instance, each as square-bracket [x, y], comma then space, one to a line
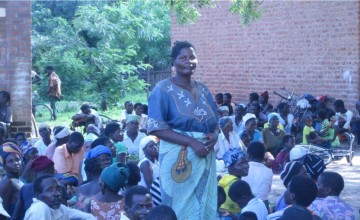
[54, 89]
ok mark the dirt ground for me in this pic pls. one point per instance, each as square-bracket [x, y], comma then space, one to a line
[351, 175]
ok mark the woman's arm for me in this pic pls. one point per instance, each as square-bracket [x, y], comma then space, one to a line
[147, 172]
[176, 138]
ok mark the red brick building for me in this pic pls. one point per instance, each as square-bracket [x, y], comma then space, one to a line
[15, 59]
[306, 46]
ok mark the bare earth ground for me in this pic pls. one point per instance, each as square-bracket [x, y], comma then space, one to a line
[351, 175]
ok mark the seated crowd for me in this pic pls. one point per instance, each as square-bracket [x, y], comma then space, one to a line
[112, 172]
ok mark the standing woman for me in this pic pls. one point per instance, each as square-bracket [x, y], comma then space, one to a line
[182, 113]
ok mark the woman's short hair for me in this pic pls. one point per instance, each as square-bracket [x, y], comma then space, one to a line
[178, 45]
[111, 128]
[256, 150]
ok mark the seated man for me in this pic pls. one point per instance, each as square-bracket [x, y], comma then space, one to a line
[86, 116]
[300, 193]
[138, 203]
[47, 204]
[342, 113]
[328, 205]
[67, 157]
[241, 194]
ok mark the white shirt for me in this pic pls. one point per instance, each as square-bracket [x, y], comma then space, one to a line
[123, 216]
[256, 206]
[41, 211]
[41, 147]
[133, 147]
[155, 168]
[143, 121]
[260, 179]
[222, 145]
[237, 128]
[124, 115]
[287, 127]
[347, 116]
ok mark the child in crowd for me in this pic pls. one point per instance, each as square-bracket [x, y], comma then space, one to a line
[283, 157]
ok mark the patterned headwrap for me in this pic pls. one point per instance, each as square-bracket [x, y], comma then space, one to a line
[9, 148]
[26, 148]
[232, 155]
[291, 169]
[96, 151]
[115, 176]
[132, 117]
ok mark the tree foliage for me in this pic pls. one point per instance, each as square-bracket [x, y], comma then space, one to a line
[99, 47]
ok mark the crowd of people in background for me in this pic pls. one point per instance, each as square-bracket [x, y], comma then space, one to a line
[181, 156]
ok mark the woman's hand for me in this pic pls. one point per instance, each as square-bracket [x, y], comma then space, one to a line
[199, 148]
[211, 139]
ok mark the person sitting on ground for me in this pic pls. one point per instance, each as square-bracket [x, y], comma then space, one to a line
[227, 138]
[102, 153]
[90, 188]
[21, 139]
[134, 176]
[132, 136]
[138, 107]
[265, 106]
[327, 130]
[250, 123]
[220, 200]
[242, 195]
[223, 111]
[237, 119]
[39, 166]
[61, 137]
[138, 203]
[92, 133]
[286, 119]
[260, 176]
[342, 112]
[290, 170]
[6, 115]
[245, 139]
[29, 153]
[10, 184]
[300, 193]
[114, 131]
[67, 157]
[238, 167]
[162, 212]
[329, 205]
[253, 97]
[283, 156]
[272, 135]
[129, 110]
[227, 102]
[254, 108]
[108, 204]
[248, 216]
[48, 202]
[307, 120]
[219, 99]
[43, 143]
[149, 165]
[86, 116]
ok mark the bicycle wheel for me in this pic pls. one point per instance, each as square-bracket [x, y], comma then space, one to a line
[43, 113]
[322, 152]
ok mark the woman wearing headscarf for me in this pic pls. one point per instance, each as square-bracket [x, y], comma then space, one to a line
[273, 135]
[185, 120]
[11, 184]
[108, 204]
[61, 136]
[227, 138]
[250, 123]
[133, 136]
[149, 165]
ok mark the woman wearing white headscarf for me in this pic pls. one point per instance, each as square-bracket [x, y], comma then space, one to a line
[149, 165]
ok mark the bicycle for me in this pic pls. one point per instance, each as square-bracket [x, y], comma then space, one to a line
[328, 155]
[41, 111]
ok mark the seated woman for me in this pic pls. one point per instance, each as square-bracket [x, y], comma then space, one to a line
[149, 165]
[272, 135]
[133, 136]
[108, 205]
[227, 138]
[250, 128]
[254, 108]
[138, 107]
[5, 111]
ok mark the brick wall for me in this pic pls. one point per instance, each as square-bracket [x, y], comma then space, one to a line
[15, 60]
[306, 46]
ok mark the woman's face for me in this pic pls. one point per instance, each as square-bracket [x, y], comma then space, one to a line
[274, 122]
[185, 63]
[242, 167]
[228, 128]
[152, 149]
[133, 126]
[251, 125]
[139, 110]
[13, 163]
[117, 136]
